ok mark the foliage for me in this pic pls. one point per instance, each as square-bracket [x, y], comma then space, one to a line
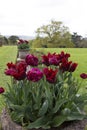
[83, 43]
[6, 42]
[23, 44]
[47, 95]
[12, 39]
[79, 41]
[53, 35]
[3, 40]
[76, 39]
[37, 43]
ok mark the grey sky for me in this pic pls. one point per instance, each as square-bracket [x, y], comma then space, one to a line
[23, 17]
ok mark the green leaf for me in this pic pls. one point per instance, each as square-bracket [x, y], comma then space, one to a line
[81, 98]
[66, 111]
[59, 103]
[16, 116]
[17, 107]
[75, 116]
[44, 108]
[58, 120]
[42, 122]
[29, 115]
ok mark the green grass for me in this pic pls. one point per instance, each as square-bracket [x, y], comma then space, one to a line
[78, 55]
[7, 54]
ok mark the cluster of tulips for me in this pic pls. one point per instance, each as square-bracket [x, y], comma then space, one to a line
[45, 92]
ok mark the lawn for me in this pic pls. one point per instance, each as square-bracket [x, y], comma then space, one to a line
[7, 54]
[78, 55]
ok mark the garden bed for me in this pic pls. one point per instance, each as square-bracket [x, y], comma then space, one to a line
[8, 124]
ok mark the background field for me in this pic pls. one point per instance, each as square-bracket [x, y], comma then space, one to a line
[9, 53]
[78, 55]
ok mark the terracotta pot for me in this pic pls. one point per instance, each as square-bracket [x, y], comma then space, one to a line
[22, 53]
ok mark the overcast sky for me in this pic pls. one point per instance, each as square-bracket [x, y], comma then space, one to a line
[23, 17]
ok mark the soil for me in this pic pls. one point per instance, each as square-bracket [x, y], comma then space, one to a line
[75, 125]
[7, 124]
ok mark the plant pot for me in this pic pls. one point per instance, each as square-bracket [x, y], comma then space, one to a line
[22, 53]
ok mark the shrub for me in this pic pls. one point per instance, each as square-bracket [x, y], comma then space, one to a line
[23, 44]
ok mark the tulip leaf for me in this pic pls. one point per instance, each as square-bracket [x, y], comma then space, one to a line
[75, 116]
[58, 120]
[59, 103]
[44, 108]
[42, 122]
